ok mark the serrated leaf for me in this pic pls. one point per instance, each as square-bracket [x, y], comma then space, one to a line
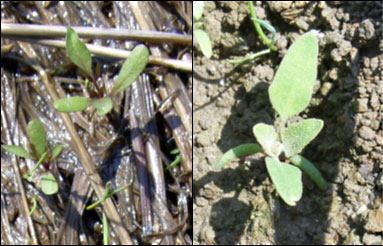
[132, 67]
[72, 104]
[291, 90]
[197, 9]
[78, 52]
[48, 184]
[56, 151]
[267, 137]
[298, 135]
[310, 169]
[103, 105]
[237, 152]
[17, 150]
[37, 136]
[204, 43]
[287, 180]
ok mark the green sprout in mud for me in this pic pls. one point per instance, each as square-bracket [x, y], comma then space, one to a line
[201, 36]
[39, 153]
[80, 56]
[108, 193]
[290, 93]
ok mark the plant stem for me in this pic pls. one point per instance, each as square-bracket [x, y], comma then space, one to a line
[250, 57]
[259, 29]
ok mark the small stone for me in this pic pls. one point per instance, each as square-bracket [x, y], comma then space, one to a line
[374, 101]
[367, 30]
[361, 105]
[344, 47]
[375, 220]
[326, 87]
[379, 140]
[366, 133]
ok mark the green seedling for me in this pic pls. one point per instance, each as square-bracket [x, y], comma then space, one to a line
[80, 56]
[107, 194]
[34, 206]
[39, 153]
[178, 157]
[257, 24]
[290, 93]
[201, 36]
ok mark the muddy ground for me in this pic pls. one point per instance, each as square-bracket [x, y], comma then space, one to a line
[239, 205]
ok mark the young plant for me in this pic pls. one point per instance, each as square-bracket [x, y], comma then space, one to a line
[80, 56]
[257, 24]
[108, 193]
[201, 36]
[290, 93]
[39, 153]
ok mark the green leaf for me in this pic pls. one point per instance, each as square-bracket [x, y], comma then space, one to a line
[310, 169]
[267, 137]
[78, 52]
[17, 150]
[72, 104]
[237, 152]
[204, 43]
[291, 90]
[37, 136]
[48, 184]
[197, 9]
[133, 66]
[56, 151]
[103, 105]
[298, 135]
[287, 180]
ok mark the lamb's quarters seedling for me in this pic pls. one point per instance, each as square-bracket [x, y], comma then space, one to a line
[201, 36]
[80, 56]
[40, 154]
[290, 93]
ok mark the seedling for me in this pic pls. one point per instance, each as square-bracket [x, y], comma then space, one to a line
[178, 157]
[290, 93]
[257, 24]
[80, 56]
[107, 194]
[201, 36]
[40, 153]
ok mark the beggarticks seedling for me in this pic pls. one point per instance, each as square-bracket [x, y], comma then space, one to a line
[39, 153]
[290, 93]
[80, 56]
[201, 36]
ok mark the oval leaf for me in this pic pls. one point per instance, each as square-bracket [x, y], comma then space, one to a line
[48, 184]
[197, 9]
[237, 152]
[72, 104]
[103, 105]
[291, 90]
[204, 43]
[298, 135]
[133, 66]
[17, 150]
[37, 136]
[267, 137]
[56, 151]
[287, 180]
[310, 169]
[78, 52]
